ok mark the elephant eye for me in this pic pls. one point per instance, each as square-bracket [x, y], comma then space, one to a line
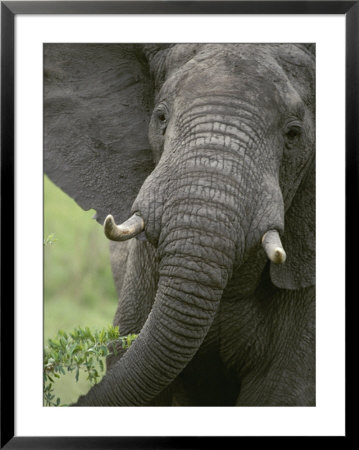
[162, 117]
[292, 135]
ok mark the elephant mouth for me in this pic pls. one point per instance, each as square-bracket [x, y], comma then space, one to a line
[135, 225]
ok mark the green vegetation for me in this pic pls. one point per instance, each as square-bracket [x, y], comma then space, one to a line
[78, 286]
[78, 351]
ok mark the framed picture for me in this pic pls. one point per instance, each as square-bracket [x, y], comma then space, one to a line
[230, 127]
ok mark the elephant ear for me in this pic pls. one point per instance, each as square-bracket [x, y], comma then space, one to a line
[96, 112]
[298, 239]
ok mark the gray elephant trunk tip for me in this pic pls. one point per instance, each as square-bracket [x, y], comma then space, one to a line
[272, 245]
[127, 230]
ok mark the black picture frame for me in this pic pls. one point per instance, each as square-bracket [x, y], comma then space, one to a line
[9, 9]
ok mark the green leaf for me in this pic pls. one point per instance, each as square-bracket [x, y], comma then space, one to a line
[80, 348]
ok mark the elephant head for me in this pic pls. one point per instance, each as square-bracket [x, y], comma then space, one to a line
[210, 149]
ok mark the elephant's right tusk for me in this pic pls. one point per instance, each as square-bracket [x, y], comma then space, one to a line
[127, 230]
[273, 247]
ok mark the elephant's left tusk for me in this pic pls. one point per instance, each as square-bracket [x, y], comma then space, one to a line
[273, 247]
[127, 230]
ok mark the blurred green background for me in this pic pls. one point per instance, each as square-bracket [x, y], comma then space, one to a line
[78, 284]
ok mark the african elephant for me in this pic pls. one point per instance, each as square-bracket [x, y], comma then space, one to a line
[210, 150]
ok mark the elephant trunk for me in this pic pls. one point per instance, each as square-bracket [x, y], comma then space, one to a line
[195, 264]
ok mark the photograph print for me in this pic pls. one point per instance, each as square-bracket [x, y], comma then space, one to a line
[195, 283]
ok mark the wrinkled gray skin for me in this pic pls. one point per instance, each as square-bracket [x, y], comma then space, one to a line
[213, 145]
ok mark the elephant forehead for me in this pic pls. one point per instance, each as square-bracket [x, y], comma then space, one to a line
[181, 54]
[216, 66]
[253, 73]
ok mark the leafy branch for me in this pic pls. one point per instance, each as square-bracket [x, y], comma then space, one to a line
[79, 349]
